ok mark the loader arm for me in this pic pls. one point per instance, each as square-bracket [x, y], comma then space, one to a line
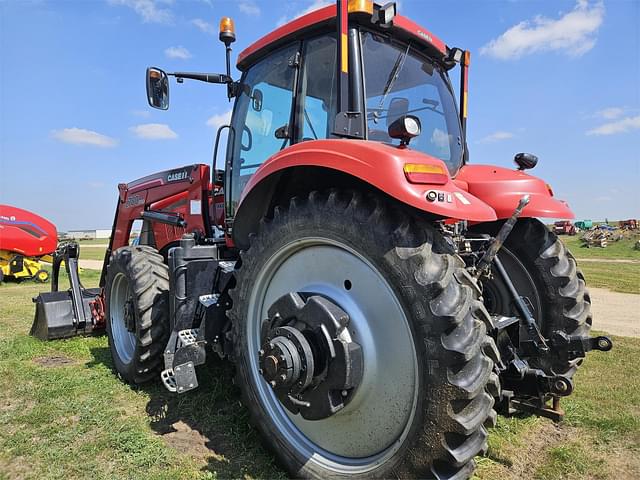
[169, 203]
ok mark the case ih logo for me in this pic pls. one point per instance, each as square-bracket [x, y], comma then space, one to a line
[425, 36]
[177, 176]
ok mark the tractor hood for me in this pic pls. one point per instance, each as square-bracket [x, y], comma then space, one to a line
[502, 188]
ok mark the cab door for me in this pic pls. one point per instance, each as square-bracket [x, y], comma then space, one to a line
[262, 122]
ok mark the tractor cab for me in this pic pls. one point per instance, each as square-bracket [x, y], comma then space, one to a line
[372, 76]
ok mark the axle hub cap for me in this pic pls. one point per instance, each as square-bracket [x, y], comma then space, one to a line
[308, 356]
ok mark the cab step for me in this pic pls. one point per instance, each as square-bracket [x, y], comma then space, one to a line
[180, 379]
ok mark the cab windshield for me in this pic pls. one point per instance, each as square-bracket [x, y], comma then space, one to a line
[399, 81]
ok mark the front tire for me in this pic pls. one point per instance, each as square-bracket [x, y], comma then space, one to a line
[421, 405]
[137, 311]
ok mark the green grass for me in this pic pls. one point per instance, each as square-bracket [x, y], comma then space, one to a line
[622, 249]
[94, 241]
[92, 253]
[571, 460]
[619, 277]
[79, 421]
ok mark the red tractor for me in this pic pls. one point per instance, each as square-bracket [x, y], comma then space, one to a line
[379, 295]
[564, 227]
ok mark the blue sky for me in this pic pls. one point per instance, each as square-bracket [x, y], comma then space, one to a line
[560, 79]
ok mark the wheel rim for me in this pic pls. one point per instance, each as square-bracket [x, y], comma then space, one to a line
[372, 427]
[123, 339]
[497, 297]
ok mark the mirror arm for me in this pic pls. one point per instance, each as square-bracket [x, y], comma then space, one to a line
[203, 77]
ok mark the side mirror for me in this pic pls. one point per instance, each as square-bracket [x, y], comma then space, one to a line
[256, 100]
[525, 161]
[157, 88]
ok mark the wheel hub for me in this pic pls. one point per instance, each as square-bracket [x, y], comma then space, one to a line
[286, 361]
[308, 356]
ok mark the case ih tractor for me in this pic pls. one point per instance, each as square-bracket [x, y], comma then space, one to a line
[379, 295]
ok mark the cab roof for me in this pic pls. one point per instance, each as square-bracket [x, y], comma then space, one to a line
[301, 27]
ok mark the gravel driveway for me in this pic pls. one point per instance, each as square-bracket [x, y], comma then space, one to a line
[615, 313]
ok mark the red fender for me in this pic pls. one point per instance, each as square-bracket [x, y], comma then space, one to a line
[502, 188]
[379, 165]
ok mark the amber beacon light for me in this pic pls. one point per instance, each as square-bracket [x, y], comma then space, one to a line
[227, 30]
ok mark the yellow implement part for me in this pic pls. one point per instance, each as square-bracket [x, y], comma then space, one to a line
[19, 267]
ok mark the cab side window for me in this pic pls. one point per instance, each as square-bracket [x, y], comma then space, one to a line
[262, 115]
[318, 86]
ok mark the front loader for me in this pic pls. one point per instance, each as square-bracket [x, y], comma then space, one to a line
[380, 296]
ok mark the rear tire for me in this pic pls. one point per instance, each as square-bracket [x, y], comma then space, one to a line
[558, 294]
[439, 316]
[137, 311]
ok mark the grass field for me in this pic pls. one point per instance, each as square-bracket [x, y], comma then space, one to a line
[92, 253]
[599, 272]
[619, 277]
[622, 249]
[64, 414]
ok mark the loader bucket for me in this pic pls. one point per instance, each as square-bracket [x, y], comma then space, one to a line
[76, 311]
[55, 315]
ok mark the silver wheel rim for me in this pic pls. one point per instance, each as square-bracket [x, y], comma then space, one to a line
[124, 340]
[374, 425]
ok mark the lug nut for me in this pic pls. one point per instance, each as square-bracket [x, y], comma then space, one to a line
[344, 393]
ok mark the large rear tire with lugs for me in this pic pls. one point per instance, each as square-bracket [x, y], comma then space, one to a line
[137, 311]
[546, 274]
[421, 405]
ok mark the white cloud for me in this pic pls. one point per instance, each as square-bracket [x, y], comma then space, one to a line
[178, 52]
[623, 125]
[81, 136]
[154, 131]
[441, 140]
[204, 26]
[574, 34]
[219, 119]
[151, 11]
[610, 113]
[249, 8]
[315, 5]
[95, 184]
[496, 137]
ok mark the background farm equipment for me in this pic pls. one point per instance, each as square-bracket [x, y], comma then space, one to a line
[333, 261]
[630, 224]
[601, 236]
[564, 227]
[584, 224]
[25, 240]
